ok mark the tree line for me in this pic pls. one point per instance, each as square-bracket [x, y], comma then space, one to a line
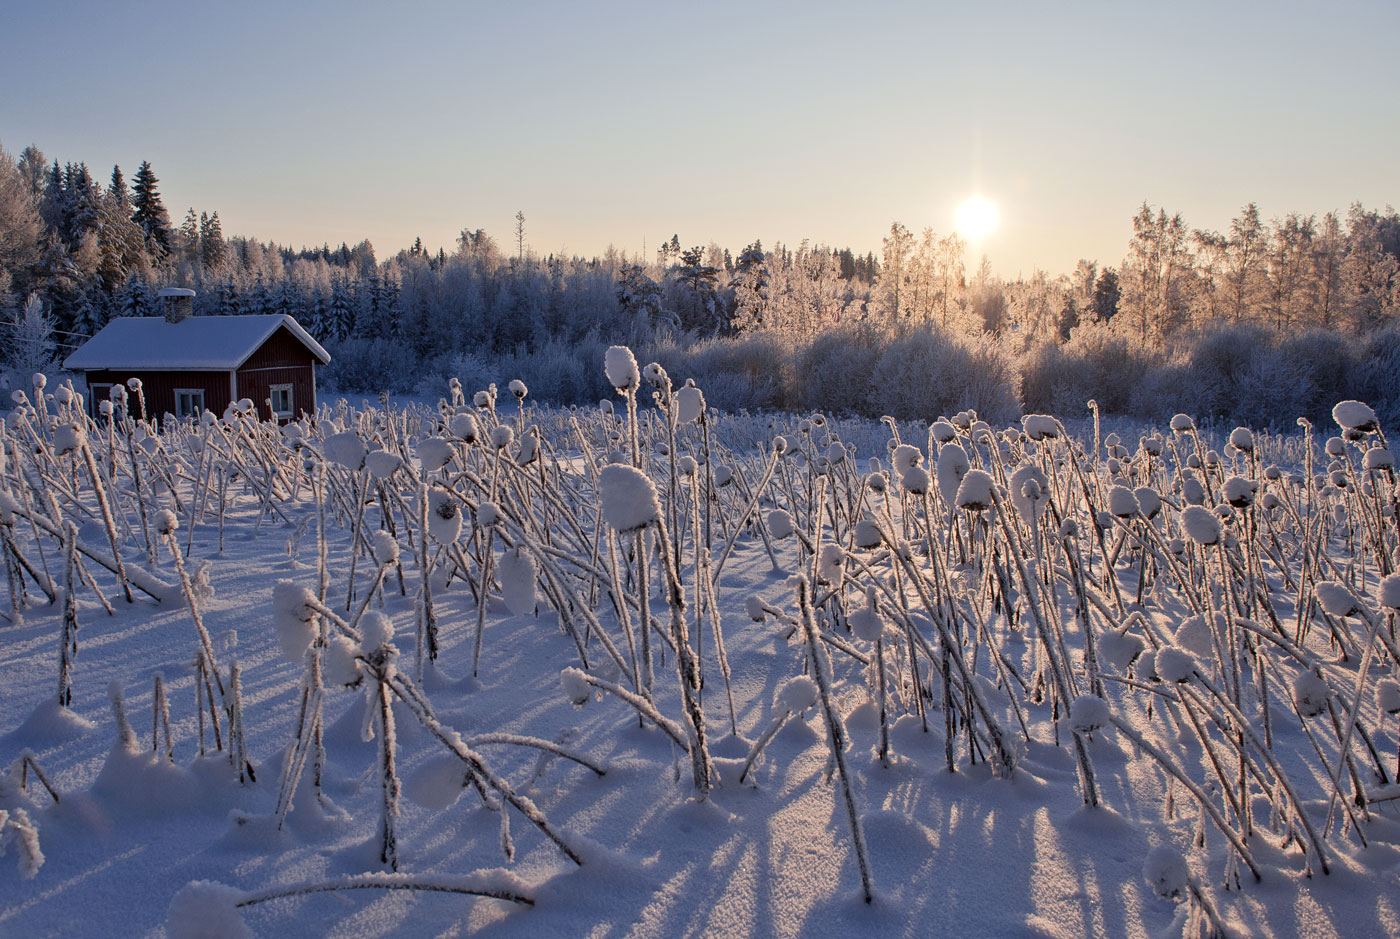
[75, 253]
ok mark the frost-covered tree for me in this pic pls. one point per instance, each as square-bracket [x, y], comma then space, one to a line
[148, 211]
[20, 226]
[31, 343]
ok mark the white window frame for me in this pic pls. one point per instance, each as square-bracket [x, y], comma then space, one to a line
[272, 399]
[196, 410]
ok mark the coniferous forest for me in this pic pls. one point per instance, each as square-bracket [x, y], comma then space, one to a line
[1271, 319]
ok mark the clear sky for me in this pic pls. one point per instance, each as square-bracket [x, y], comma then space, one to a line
[621, 123]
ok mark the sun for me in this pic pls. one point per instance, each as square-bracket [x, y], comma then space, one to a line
[976, 218]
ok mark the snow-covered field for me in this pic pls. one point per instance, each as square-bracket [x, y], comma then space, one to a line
[983, 684]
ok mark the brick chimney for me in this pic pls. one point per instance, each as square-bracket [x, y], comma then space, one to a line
[176, 303]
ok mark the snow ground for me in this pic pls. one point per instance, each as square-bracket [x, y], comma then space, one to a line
[961, 853]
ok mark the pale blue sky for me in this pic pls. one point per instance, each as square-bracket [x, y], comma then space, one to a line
[614, 122]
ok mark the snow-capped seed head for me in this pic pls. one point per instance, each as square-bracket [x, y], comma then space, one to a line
[1353, 415]
[831, 565]
[915, 480]
[376, 631]
[1146, 667]
[1201, 525]
[798, 694]
[953, 465]
[501, 436]
[482, 400]
[40, 381]
[835, 453]
[487, 514]
[628, 497]
[654, 374]
[780, 444]
[1165, 871]
[345, 448]
[204, 908]
[1242, 439]
[1336, 599]
[753, 605]
[444, 516]
[382, 464]
[338, 664]
[724, 475]
[1310, 694]
[1336, 447]
[1069, 529]
[1119, 650]
[1040, 426]
[517, 388]
[1149, 501]
[1239, 491]
[794, 445]
[621, 367]
[294, 618]
[464, 426]
[905, 456]
[975, 491]
[1030, 492]
[1174, 665]
[69, 438]
[780, 523]
[104, 408]
[690, 404]
[386, 548]
[572, 680]
[963, 419]
[166, 522]
[1182, 423]
[1122, 502]
[942, 431]
[687, 466]
[1388, 592]
[867, 535]
[1388, 697]
[1151, 445]
[1195, 636]
[867, 624]
[516, 573]
[1378, 458]
[876, 482]
[1088, 713]
[1269, 502]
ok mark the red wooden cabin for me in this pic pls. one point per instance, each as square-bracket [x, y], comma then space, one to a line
[189, 364]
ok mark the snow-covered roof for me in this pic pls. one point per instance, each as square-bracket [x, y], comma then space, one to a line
[175, 292]
[214, 343]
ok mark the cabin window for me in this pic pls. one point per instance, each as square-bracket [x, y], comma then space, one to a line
[189, 402]
[96, 395]
[281, 398]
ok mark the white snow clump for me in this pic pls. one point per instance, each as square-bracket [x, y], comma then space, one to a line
[444, 515]
[1201, 525]
[345, 448]
[1336, 599]
[690, 404]
[628, 496]
[780, 524]
[798, 694]
[621, 367]
[1088, 713]
[293, 617]
[1165, 872]
[516, 573]
[386, 548]
[1388, 593]
[204, 909]
[975, 492]
[382, 464]
[1310, 694]
[376, 631]
[1353, 415]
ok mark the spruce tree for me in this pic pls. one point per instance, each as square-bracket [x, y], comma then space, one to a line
[212, 246]
[149, 212]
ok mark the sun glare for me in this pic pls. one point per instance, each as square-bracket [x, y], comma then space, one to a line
[976, 219]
